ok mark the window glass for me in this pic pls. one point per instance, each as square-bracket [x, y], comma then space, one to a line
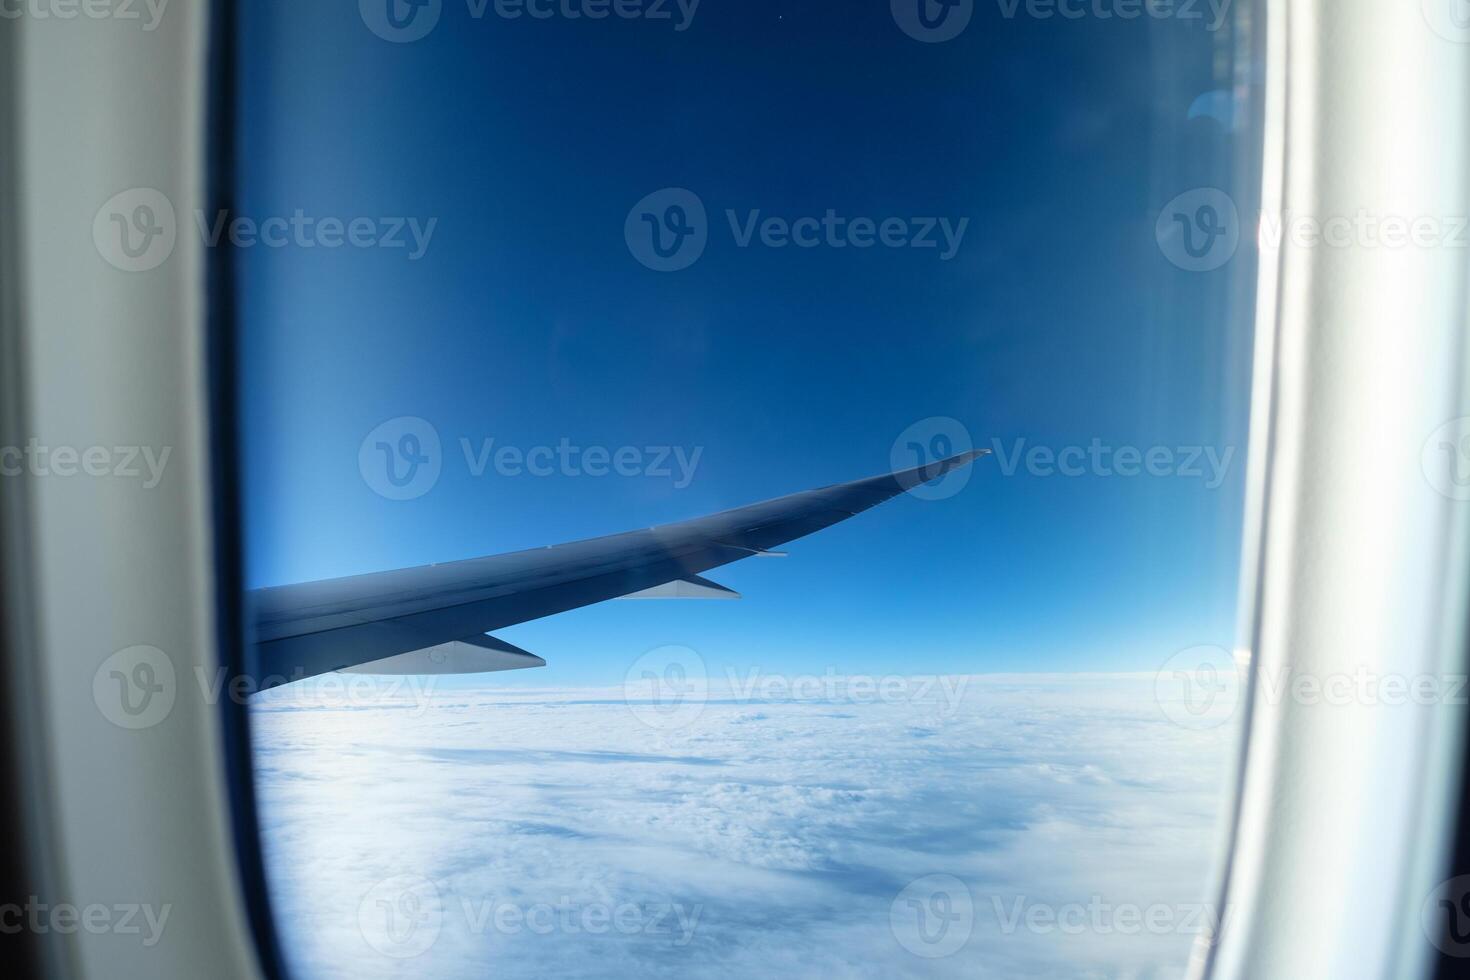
[513, 273]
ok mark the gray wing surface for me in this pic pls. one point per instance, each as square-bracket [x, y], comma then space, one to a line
[432, 619]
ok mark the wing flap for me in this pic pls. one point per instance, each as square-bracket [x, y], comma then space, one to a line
[477, 654]
[691, 587]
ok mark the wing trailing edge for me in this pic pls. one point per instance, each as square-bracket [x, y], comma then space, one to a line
[477, 654]
[689, 587]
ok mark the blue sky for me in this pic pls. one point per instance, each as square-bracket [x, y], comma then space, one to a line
[529, 320]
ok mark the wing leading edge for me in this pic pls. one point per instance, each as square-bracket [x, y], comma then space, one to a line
[432, 619]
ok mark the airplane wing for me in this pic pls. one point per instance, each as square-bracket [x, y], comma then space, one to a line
[433, 619]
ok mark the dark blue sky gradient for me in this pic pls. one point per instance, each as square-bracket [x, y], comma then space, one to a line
[529, 321]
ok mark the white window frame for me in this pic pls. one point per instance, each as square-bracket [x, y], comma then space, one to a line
[1344, 815]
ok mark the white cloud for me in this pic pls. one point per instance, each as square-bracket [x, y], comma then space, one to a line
[767, 838]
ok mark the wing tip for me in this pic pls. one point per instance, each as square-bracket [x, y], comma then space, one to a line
[919, 475]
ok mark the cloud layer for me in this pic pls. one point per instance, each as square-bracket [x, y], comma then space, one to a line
[1035, 827]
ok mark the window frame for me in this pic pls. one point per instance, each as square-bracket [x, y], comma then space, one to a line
[168, 815]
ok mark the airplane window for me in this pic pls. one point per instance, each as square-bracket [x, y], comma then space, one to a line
[734, 488]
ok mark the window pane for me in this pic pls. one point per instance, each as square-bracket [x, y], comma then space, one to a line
[515, 274]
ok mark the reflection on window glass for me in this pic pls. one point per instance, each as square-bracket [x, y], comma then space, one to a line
[519, 274]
